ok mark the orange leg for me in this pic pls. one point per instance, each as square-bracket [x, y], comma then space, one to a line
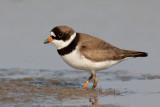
[95, 81]
[85, 85]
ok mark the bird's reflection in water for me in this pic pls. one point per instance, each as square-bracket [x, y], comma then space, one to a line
[94, 101]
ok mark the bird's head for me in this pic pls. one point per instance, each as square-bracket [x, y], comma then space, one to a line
[61, 36]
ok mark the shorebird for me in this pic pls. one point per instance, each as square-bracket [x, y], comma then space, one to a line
[85, 52]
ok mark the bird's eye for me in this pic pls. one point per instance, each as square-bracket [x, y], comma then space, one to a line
[60, 35]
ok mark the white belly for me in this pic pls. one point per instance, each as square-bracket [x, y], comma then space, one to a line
[76, 60]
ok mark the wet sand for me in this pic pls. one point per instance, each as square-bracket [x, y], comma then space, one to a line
[27, 91]
[24, 87]
[48, 92]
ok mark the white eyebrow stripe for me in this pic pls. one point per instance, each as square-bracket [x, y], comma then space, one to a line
[52, 34]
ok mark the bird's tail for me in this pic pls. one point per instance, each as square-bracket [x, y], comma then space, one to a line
[129, 53]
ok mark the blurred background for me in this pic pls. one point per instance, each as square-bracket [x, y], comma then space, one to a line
[25, 24]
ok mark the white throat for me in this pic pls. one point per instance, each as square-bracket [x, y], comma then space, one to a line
[61, 44]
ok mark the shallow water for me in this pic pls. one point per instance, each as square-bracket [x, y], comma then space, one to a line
[130, 25]
[64, 88]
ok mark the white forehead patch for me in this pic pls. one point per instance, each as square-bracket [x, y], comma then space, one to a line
[52, 34]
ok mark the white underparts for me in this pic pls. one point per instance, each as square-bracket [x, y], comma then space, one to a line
[61, 44]
[78, 61]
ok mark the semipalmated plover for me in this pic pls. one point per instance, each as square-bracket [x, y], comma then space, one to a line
[85, 52]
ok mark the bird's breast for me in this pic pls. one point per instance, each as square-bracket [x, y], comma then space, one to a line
[74, 59]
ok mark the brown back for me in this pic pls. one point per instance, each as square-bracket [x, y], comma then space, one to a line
[96, 49]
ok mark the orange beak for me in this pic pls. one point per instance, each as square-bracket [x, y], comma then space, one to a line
[48, 40]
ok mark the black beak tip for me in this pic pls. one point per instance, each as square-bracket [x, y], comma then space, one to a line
[46, 42]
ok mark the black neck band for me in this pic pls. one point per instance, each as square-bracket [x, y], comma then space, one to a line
[68, 49]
